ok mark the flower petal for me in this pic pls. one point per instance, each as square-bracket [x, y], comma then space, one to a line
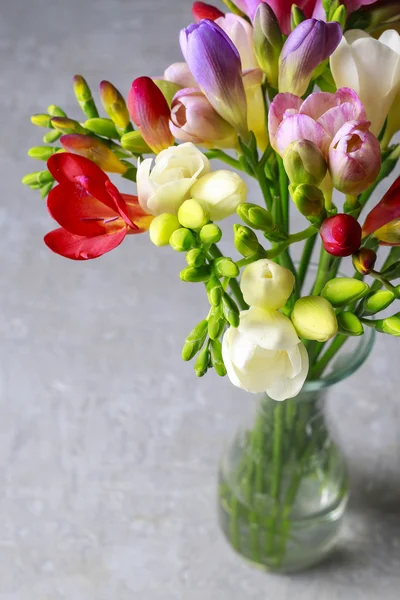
[78, 247]
[288, 386]
[297, 127]
[268, 329]
[282, 106]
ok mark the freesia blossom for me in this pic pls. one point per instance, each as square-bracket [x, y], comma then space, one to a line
[384, 219]
[193, 119]
[308, 45]
[150, 111]
[372, 68]
[166, 184]
[317, 119]
[264, 354]
[220, 193]
[265, 284]
[215, 64]
[94, 216]
[179, 73]
[354, 158]
[240, 32]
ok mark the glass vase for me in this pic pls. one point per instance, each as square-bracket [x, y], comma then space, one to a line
[283, 483]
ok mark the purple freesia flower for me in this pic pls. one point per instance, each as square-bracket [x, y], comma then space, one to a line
[309, 44]
[215, 64]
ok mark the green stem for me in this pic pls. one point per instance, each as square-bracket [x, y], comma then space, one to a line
[284, 193]
[276, 474]
[305, 260]
[233, 283]
[264, 185]
[391, 258]
[224, 157]
[324, 266]
[384, 282]
[319, 368]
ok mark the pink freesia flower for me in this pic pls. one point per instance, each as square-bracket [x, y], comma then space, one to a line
[317, 119]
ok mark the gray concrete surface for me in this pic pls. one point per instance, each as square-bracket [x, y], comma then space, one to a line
[108, 444]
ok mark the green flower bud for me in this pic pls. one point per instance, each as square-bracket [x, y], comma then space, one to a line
[56, 111]
[216, 325]
[41, 120]
[304, 163]
[256, 217]
[314, 318]
[202, 362]
[195, 340]
[134, 142]
[349, 324]
[340, 16]
[38, 177]
[167, 88]
[66, 125]
[51, 136]
[42, 152]
[192, 215]
[268, 42]
[101, 126]
[210, 234]
[230, 310]
[162, 227]
[195, 257]
[216, 358]
[297, 16]
[378, 301]
[309, 200]
[115, 106]
[245, 240]
[225, 267]
[214, 291]
[45, 189]
[196, 274]
[182, 240]
[84, 97]
[390, 325]
[344, 290]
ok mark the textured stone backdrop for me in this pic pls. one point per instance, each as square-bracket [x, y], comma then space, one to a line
[108, 444]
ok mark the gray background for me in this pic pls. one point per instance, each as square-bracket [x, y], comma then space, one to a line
[108, 444]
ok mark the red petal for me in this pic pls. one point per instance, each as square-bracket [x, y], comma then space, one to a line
[141, 218]
[78, 247]
[202, 10]
[65, 166]
[120, 204]
[387, 210]
[80, 213]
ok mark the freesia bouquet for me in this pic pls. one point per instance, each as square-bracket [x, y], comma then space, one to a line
[303, 98]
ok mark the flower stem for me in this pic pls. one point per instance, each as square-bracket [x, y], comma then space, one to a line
[284, 193]
[233, 283]
[276, 474]
[319, 368]
[224, 157]
[305, 260]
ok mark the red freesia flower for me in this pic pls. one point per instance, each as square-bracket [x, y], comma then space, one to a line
[94, 216]
[384, 219]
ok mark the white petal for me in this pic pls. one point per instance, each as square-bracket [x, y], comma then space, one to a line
[343, 66]
[144, 186]
[391, 38]
[269, 329]
[170, 196]
[286, 387]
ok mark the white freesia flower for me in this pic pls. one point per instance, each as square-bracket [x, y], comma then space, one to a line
[165, 186]
[264, 354]
[266, 284]
[371, 68]
[220, 193]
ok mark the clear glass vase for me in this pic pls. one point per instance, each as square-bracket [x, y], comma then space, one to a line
[283, 483]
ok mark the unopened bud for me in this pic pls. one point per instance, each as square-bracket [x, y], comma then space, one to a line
[56, 111]
[268, 42]
[344, 290]
[202, 362]
[309, 200]
[296, 17]
[52, 136]
[216, 325]
[41, 120]
[314, 318]
[364, 260]
[195, 257]
[245, 240]
[230, 310]
[390, 325]
[42, 152]
[349, 324]
[216, 358]
[182, 240]
[196, 274]
[101, 126]
[84, 97]
[167, 88]
[304, 163]
[38, 177]
[66, 125]
[192, 215]
[115, 106]
[210, 234]
[134, 142]
[195, 340]
[162, 227]
[378, 301]
[214, 291]
[340, 16]
[225, 267]
[45, 189]
[95, 150]
[256, 216]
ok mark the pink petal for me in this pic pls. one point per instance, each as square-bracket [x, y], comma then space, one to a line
[317, 104]
[282, 106]
[297, 127]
